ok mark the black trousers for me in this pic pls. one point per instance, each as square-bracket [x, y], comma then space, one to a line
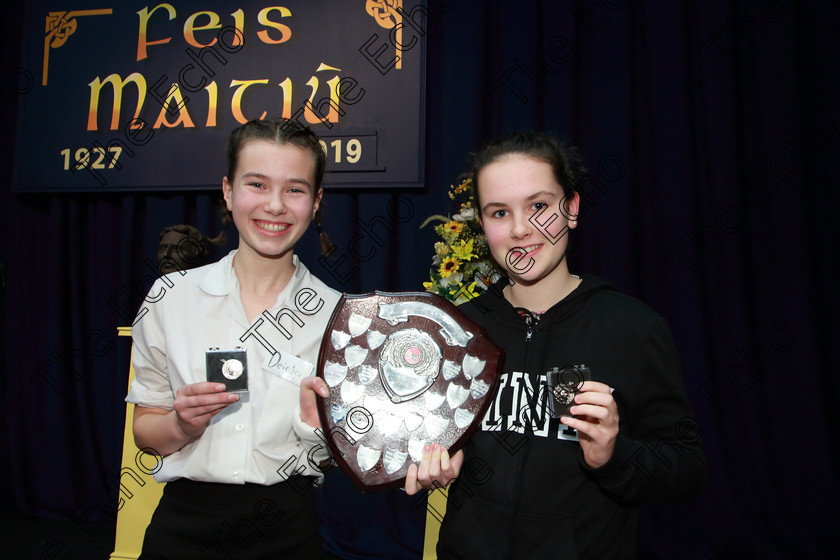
[210, 521]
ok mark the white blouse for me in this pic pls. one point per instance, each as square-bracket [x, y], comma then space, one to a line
[259, 439]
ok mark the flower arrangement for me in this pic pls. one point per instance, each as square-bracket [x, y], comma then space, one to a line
[462, 267]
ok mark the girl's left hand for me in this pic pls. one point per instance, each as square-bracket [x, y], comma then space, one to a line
[596, 421]
[435, 470]
[309, 388]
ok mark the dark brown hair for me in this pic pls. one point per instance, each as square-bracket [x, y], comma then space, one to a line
[565, 160]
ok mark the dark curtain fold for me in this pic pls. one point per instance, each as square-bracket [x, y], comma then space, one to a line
[710, 130]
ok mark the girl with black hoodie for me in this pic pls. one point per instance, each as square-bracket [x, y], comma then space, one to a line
[534, 486]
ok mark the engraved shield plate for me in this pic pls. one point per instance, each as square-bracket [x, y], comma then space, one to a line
[414, 370]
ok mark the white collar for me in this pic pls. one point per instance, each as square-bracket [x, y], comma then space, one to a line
[221, 279]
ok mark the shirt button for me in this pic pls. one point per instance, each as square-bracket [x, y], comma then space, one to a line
[235, 474]
[239, 427]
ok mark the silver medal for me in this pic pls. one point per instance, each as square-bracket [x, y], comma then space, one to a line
[232, 368]
[564, 394]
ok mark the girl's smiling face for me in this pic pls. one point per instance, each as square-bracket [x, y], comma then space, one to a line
[526, 217]
[272, 197]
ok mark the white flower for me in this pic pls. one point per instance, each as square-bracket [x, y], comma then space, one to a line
[483, 272]
[453, 279]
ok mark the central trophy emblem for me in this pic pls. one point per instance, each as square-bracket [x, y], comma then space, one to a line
[409, 364]
[403, 369]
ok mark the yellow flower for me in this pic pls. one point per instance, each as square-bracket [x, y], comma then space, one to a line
[461, 254]
[453, 227]
[464, 294]
[441, 249]
[464, 251]
[448, 266]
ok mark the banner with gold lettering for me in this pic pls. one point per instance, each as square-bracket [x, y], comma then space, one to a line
[139, 96]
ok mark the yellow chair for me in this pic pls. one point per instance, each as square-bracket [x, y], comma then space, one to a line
[434, 515]
[137, 503]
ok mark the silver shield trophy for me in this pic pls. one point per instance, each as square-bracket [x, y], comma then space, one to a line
[403, 370]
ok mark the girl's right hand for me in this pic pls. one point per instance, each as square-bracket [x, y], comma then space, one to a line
[196, 404]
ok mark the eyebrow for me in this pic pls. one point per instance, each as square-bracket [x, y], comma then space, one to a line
[258, 175]
[492, 205]
[534, 196]
[541, 194]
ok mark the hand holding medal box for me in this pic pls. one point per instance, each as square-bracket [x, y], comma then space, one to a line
[403, 370]
[563, 384]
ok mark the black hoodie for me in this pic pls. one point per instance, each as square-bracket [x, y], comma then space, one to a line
[524, 491]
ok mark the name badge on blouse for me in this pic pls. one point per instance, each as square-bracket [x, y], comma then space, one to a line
[229, 367]
[289, 367]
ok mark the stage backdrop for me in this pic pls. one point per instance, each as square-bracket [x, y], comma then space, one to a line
[133, 95]
[711, 131]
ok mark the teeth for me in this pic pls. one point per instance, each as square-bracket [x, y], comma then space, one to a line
[272, 227]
